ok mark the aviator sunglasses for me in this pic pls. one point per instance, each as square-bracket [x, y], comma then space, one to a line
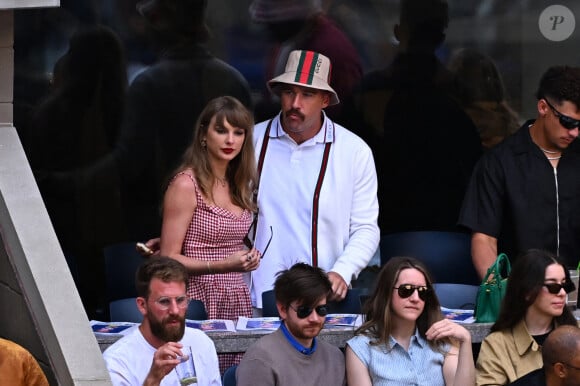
[555, 288]
[566, 121]
[303, 311]
[406, 290]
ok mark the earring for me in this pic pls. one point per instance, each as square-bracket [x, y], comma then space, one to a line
[203, 143]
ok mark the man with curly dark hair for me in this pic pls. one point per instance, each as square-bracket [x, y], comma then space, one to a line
[524, 192]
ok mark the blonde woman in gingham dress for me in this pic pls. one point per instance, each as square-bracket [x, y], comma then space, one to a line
[207, 211]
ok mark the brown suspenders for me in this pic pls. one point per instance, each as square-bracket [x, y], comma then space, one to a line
[316, 197]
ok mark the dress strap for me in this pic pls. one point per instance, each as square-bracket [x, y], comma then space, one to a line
[198, 195]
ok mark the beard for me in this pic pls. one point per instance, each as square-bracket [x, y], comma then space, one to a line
[305, 332]
[165, 333]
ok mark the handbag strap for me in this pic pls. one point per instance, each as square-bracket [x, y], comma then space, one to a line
[496, 268]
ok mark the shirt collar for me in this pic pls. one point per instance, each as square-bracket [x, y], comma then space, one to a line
[324, 135]
[301, 349]
[522, 338]
[415, 339]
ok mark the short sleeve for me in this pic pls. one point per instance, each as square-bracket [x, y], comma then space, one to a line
[361, 347]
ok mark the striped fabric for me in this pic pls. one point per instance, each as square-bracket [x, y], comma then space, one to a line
[306, 67]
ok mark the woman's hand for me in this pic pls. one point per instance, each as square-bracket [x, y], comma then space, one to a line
[447, 329]
[244, 260]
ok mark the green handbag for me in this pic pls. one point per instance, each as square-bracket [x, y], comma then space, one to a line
[492, 290]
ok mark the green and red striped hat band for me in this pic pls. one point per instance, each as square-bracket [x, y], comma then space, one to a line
[309, 69]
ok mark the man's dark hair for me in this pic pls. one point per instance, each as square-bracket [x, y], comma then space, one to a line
[162, 268]
[560, 83]
[302, 282]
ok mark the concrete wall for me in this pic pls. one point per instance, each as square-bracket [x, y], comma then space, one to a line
[41, 308]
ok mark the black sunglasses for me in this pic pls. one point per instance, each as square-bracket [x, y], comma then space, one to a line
[566, 121]
[568, 365]
[303, 311]
[406, 290]
[555, 288]
[252, 230]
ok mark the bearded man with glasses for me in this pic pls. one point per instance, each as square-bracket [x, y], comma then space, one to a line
[293, 355]
[524, 193]
[148, 354]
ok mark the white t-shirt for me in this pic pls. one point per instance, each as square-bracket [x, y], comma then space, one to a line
[129, 359]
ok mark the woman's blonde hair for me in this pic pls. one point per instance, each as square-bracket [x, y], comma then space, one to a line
[241, 174]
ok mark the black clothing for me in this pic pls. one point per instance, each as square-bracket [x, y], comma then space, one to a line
[516, 196]
[164, 103]
[424, 144]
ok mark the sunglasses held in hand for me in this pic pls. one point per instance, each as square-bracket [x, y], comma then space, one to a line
[248, 241]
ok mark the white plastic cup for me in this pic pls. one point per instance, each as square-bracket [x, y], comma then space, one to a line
[573, 296]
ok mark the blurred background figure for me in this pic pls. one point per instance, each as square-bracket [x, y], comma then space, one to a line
[424, 144]
[483, 96]
[163, 104]
[303, 25]
[77, 124]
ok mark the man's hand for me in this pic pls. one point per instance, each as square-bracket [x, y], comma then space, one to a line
[339, 287]
[164, 360]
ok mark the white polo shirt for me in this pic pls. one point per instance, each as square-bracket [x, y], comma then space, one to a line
[347, 232]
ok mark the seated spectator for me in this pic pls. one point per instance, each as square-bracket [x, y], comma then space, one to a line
[18, 367]
[561, 357]
[292, 355]
[534, 304]
[405, 340]
[149, 353]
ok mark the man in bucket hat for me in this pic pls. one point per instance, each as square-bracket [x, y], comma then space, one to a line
[317, 195]
[304, 25]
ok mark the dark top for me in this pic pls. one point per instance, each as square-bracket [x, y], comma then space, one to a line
[516, 196]
[535, 378]
[424, 144]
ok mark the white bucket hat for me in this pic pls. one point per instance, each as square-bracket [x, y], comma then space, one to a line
[307, 69]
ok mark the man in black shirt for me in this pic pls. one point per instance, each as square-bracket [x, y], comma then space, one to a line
[525, 192]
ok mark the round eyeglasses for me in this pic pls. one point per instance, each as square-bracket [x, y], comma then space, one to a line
[164, 303]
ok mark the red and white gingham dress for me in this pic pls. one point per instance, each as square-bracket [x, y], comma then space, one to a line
[213, 234]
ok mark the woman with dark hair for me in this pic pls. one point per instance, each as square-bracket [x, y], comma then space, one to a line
[207, 211]
[405, 339]
[534, 304]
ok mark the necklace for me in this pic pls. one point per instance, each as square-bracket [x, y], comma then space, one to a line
[223, 182]
[549, 151]
[554, 158]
